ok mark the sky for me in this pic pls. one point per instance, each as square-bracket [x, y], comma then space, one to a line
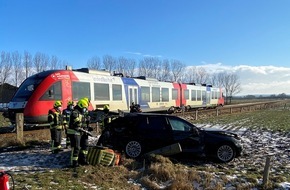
[247, 37]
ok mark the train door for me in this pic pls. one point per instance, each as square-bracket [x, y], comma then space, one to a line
[208, 95]
[133, 95]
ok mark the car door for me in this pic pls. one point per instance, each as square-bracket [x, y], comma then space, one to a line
[156, 132]
[186, 134]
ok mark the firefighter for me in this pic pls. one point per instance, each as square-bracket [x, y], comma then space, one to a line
[135, 108]
[66, 116]
[75, 131]
[56, 126]
[106, 117]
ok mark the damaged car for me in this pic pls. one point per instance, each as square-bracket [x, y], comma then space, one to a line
[139, 133]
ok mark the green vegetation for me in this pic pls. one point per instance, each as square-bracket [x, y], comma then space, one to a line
[270, 119]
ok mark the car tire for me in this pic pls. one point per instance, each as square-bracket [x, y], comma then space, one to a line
[225, 153]
[133, 149]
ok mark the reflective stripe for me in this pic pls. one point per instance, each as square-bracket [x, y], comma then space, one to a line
[56, 127]
[85, 152]
[73, 132]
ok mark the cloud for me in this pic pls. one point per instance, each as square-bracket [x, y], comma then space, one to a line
[143, 55]
[256, 79]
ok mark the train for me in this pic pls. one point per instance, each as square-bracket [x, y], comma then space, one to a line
[37, 94]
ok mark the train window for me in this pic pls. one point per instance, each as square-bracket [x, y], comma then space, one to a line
[155, 94]
[117, 92]
[53, 92]
[174, 94]
[80, 90]
[193, 95]
[186, 94]
[145, 94]
[203, 95]
[165, 95]
[101, 91]
[198, 95]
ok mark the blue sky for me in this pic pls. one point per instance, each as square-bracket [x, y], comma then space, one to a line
[230, 33]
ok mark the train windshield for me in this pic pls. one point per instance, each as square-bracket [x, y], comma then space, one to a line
[26, 89]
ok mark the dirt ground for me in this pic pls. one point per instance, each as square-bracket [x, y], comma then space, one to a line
[10, 139]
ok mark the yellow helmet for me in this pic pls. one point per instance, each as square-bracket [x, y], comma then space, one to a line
[57, 104]
[83, 103]
[87, 99]
[106, 108]
[70, 103]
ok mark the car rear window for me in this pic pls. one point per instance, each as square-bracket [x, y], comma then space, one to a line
[153, 123]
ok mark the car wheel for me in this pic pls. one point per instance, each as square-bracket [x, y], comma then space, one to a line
[225, 153]
[133, 149]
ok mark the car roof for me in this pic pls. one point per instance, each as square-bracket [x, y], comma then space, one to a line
[147, 114]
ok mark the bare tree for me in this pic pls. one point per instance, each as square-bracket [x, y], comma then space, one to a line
[176, 69]
[94, 63]
[190, 75]
[5, 70]
[45, 62]
[217, 79]
[164, 71]
[41, 62]
[109, 63]
[202, 77]
[55, 63]
[231, 85]
[6, 66]
[37, 61]
[149, 67]
[27, 63]
[17, 68]
[131, 65]
[121, 65]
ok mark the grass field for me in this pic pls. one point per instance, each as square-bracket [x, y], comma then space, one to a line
[164, 173]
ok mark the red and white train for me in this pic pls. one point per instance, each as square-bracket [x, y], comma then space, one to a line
[37, 94]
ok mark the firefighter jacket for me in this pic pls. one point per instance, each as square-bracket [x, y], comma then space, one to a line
[66, 116]
[75, 122]
[55, 119]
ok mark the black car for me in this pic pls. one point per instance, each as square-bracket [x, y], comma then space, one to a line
[140, 133]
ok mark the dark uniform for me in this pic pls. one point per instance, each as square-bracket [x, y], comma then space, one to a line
[66, 117]
[56, 126]
[79, 143]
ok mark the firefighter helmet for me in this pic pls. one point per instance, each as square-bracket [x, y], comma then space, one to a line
[87, 99]
[70, 103]
[57, 104]
[106, 108]
[83, 103]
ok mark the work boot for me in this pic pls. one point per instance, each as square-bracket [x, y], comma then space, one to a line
[75, 164]
[83, 161]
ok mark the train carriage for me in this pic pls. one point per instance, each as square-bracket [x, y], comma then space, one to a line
[37, 94]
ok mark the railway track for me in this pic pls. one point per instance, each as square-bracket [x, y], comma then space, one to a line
[232, 109]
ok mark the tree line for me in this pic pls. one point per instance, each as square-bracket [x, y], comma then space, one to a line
[16, 67]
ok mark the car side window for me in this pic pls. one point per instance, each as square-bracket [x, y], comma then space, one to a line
[178, 125]
[154, 123]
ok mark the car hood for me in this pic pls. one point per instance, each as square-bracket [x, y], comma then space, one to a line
[218, 131]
